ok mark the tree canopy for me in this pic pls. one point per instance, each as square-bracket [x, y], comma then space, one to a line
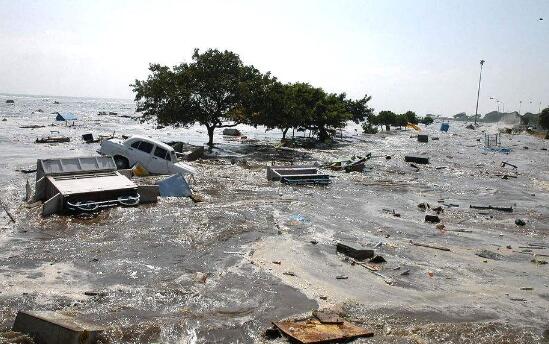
[427, 120]
[217, 90]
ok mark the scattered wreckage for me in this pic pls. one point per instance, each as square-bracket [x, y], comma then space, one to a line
[354, 164]
[325, 326]
[297, 175]
[82, 184]
[89, 184]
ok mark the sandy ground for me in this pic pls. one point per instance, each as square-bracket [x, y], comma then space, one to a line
[220, 271]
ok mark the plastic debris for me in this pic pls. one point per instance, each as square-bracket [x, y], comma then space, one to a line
[174, 186]
[139, 171]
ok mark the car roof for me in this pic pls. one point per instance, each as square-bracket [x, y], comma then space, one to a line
[156, 142]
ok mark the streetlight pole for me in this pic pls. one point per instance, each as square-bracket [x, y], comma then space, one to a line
[478, 92]
[520, 106]
[497, 102]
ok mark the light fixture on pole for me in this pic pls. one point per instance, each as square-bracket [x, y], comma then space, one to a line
[478, 92]
[497, 102]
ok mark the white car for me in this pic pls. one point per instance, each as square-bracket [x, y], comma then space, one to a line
[155, 156]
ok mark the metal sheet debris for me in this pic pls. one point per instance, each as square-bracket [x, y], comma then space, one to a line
[311, 331]
[174, 186]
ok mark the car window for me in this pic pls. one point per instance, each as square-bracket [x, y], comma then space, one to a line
[161, 153]
[146, 147]
[136, 144]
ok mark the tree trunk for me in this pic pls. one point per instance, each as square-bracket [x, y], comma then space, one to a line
[387, 127]
[210, 135]
[322, 134]
[284, 131]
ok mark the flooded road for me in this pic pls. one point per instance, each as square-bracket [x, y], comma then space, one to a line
[185, 272]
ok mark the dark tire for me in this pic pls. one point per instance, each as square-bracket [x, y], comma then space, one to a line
[121, 162]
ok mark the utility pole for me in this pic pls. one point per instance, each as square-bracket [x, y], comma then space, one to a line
[478, 93]
[520, 106]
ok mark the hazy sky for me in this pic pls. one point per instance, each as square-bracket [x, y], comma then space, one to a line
[418, 55]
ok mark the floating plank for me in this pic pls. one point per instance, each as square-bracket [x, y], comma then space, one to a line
[482, 207]
[430, 246]
[353, 252]
[54, 328]
[416, 159]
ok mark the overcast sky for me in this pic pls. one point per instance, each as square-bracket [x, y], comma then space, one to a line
[418, 55]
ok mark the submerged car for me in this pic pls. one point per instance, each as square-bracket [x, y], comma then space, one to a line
[156, 157]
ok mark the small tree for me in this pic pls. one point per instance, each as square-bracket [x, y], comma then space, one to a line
[400, 120]
[216, 90]
[544, 119]
[410, 117]
[427, 120]
[386, 118]
[329, 113]
[367, 128]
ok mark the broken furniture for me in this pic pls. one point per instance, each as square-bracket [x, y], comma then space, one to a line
[48, 327]
[297, 175]
[416, 159]
[84, 184]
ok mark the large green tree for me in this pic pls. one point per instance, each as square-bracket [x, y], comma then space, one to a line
[215, 90]
[300, 105]
[359, 109]
[282, 107]
[410, 117]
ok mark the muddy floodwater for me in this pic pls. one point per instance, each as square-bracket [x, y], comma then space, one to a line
[256, 251]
